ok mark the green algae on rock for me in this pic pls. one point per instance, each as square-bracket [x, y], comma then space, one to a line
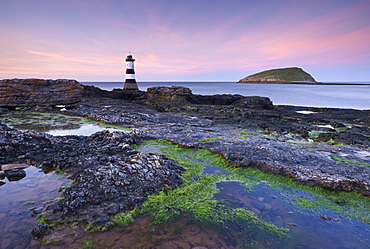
[195, 160]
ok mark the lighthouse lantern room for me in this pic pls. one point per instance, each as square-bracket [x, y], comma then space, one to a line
[130, 82]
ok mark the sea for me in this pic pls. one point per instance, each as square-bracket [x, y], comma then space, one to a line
[330, 96]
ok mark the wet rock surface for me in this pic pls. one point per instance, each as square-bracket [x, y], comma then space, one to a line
[111, 177]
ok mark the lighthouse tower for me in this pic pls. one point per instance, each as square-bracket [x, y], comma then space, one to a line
[130, 82]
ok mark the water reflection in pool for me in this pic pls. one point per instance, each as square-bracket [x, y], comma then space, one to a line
[54, 123]
[18, 201]
[323, 229]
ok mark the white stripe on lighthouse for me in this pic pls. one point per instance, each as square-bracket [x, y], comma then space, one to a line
[130, 65]
[130, 76]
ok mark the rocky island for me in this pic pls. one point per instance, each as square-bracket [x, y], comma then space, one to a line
[280, 76]
[290, 75]
[317, 147]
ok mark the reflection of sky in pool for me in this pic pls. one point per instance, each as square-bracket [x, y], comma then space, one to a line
[19, 199]
[323, 229]
[54, 124]
[84, 130]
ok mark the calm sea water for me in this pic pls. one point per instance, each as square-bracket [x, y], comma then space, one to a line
[336, 96]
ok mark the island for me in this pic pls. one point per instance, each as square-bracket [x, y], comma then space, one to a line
[289, 75]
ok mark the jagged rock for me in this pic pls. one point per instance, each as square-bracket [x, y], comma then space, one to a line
[39, 231]
[169, 94]
[39, 92]
[92, 91]
[110, 176]
[178, 94]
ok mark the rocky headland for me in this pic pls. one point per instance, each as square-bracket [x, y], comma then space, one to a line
[110, 176]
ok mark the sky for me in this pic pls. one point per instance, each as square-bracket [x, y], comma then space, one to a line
[183, 40]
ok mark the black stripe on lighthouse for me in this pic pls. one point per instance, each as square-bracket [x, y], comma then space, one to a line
[130, 71]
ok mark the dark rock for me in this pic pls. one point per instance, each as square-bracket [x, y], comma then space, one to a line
[47, 167]
[178, 94]
[234, 100]
[39, 92]
[2, 183]
[39, 231]
[344, 137]
[254, 103]
[15, 174]
[92, 91]
[169, 94]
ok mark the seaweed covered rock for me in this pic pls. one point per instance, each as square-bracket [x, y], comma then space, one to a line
[109, 176]
[120, 183]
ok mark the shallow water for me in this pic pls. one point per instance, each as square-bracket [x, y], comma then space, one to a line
[322, 229]
[19, 198]
[316, 227]
[54, 124]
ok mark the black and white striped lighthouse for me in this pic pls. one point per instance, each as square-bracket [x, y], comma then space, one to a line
[130, 82]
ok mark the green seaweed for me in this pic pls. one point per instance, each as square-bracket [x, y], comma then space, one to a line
[244, 132]
[265, 132]
[196, 198]
[194, 161]
[28, 203]
[244, 136]
[183, 108]
[88, 245]
[343, 160]
[206, 140]
[123, 219]
[48, 242]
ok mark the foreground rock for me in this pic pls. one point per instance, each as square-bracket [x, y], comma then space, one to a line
[109, 176]
[39, 92]
[248, 131]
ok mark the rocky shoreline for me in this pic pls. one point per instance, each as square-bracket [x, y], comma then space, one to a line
[110, 177]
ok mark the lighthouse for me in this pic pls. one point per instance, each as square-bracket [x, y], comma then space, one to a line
[130, 82]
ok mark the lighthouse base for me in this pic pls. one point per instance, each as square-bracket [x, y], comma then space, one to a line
[130, 84]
